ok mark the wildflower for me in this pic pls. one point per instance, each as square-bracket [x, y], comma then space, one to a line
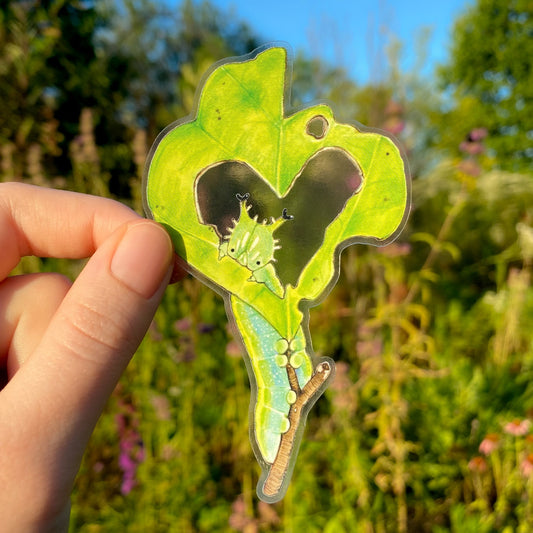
[131, 446]
[233, 349]
[478, 464]
[489, 443]
[526, 466]
[205, 328]
[342, 380]
[369, 348]
[168, 452]
[478, 134]
[394, 125]
[471, 148]
[470, 167]
[131, 454]
[154, 332]
[239, 519]
[395, 249]
[398, 293]
[161, 406]
[268, 515]
[344, 397]
[394, 108]
[517, 428]
[183, 324]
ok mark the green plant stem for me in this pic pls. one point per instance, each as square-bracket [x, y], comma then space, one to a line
[442, 235]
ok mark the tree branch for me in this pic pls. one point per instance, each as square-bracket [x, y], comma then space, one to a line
[279, 467]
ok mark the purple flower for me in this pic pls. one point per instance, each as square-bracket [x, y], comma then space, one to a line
[131, 446]
[126, 463]
[128, 483]
[478, 134]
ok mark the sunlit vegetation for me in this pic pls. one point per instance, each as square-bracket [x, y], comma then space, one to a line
[427, 426]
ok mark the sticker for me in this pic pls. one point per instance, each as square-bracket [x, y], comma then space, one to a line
[260, 201]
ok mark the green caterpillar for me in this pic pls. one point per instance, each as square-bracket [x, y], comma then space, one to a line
[287, 384]
[252, 245]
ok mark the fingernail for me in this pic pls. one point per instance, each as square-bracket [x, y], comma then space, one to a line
[142, 258]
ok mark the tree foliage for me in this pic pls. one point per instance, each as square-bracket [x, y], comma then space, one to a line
[491, 76]
[134, 63]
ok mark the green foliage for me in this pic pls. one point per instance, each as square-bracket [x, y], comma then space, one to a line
[59, 57]
[434, 358]
[491, 75]
[427, 426]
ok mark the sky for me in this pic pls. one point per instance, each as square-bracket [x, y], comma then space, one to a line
[354, 34]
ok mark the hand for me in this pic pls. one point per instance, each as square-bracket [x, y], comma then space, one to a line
[63, 345]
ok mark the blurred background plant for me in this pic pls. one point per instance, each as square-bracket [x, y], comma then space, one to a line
[427, 426]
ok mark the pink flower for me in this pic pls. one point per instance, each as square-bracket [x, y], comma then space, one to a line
[526, 466]
[489, 443]
[183, 324]
[472, 148]
[369, 348]
[478, 134]
[161, 406]
[470, 167]
[394, 125]
[233, 349]
[517, 427]
[478, 464]
[394, 108]
[395, 249]
[239, 519]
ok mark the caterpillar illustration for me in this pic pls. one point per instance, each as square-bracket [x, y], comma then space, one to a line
[252, 245]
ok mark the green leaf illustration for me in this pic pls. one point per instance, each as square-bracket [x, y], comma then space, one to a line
[260, 203]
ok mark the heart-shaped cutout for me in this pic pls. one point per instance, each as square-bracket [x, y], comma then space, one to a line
[317, 195]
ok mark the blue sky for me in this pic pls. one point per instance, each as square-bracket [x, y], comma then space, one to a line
[354, 33]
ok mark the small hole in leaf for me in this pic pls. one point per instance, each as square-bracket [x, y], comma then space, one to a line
[317, 127]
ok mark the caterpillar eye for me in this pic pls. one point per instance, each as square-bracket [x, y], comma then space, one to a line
[232, 250]
[258, 262]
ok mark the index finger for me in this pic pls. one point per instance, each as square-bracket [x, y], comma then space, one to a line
[52, 223]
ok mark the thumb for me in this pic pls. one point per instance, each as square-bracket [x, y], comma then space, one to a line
[91, 338]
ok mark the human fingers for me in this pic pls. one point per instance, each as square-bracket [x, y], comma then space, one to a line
[27, 304]
[51, 223]
[53, 401]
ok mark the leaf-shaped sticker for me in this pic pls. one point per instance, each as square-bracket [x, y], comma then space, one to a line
[260, 204]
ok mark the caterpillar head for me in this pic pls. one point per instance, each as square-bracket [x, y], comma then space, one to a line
[252, 243]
